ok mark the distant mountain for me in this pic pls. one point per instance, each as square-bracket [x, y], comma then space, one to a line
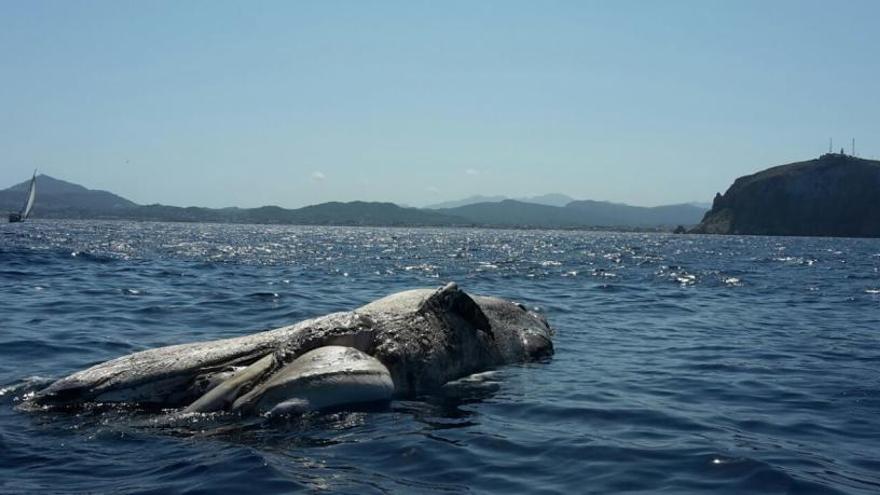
[552, 199]
[466, 201]
[57, 197]
[512, 213]
[834, 195]
[577, 214]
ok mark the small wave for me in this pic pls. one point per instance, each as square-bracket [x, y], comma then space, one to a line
[153, 310]
[796, 260]
[92, 257]
[426, 267]
[264, 295]
[732, 281]
[14, 273]
[25, 386]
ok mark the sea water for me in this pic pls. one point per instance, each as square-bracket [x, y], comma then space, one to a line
[684, 364]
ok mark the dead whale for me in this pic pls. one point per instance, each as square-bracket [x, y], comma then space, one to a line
[403, 345]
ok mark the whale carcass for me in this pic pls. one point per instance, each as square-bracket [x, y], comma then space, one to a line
[403, 345]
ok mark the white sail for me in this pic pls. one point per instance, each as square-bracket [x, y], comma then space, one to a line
[32, 194]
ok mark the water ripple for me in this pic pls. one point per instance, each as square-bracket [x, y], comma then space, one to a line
[685, 364]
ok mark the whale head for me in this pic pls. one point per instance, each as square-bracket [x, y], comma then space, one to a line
[520, 334]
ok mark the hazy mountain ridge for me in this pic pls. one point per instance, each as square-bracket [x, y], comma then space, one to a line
[550, 199]
[470, 200]
[512, 213]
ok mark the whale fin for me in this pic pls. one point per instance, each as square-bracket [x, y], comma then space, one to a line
[449, 299]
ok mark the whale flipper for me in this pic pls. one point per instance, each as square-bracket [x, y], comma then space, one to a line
[326, 377]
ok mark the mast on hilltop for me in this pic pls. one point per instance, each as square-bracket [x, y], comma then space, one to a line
[852, 150]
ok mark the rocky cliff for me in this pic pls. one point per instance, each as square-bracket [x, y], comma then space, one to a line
[834, 195]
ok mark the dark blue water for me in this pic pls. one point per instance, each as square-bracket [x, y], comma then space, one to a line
[684, 364]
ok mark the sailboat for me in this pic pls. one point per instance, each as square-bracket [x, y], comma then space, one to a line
[28, 204]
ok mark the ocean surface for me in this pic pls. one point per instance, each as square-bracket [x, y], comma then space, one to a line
[684, 364]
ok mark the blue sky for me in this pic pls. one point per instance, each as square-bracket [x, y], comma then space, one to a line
[220, 103]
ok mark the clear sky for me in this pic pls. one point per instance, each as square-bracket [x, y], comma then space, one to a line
[218, 103]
